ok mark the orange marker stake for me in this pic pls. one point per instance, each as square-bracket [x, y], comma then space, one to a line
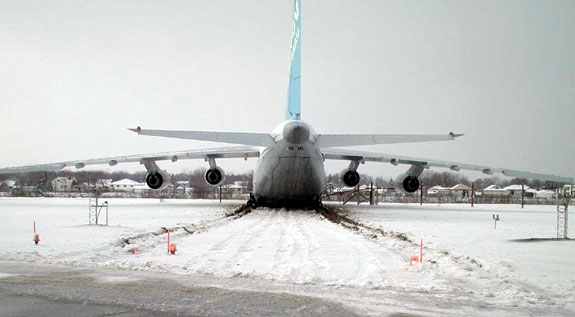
[171, 247]
[421, 252]
[36, 236]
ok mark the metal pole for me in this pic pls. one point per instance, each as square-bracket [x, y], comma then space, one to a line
[522, 194]
[220, 194]
[472, 193]
[371, 194]
[97, 213]
[421, 194]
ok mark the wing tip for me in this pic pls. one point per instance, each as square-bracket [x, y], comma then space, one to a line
[455, 135]
[137, 130]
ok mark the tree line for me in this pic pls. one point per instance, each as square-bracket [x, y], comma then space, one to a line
[195, 179]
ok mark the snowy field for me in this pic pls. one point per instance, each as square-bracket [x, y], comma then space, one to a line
[469, 267]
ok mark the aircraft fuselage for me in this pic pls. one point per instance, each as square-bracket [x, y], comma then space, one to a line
[291, 173]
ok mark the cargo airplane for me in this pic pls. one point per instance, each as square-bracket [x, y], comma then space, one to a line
[290, 168]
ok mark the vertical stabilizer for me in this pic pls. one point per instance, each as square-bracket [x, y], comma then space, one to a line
[294, 94]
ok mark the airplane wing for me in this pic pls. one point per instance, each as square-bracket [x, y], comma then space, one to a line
[244, 138]
[335, 140]
[225, 152]
[342, 154]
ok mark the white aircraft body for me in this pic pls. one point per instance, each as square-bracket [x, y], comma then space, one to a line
[290, 169]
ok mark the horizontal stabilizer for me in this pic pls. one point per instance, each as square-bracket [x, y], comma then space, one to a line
[244, 138]
[335, 140]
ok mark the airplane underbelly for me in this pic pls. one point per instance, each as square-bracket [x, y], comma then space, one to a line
[289, 181]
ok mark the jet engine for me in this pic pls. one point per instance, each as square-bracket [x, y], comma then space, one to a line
[349, 177]
[407, 183]
[158, 179]
[215, 176]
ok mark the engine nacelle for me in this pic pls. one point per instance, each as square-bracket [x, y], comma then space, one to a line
[349, 177]
[158, 179]
[215, 176]
[407, 183]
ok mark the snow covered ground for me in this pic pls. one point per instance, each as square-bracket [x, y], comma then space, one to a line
[520, 246]
[469, 267]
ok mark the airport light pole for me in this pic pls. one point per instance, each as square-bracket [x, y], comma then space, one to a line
[472, 192]
[522, 195]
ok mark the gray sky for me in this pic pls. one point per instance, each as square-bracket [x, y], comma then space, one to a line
[75, 74]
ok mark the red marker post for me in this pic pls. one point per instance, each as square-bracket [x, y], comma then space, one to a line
[421, 252]
[414, 260]
[171, 247]
[36, 236]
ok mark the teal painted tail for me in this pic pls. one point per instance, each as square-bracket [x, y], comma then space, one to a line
[293, 111]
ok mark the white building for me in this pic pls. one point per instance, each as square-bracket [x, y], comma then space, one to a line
[515, 190]
[237, 189]
[437, 190]
[62, 184]
[126, 185]
[103, 183]
[183, 184]
[9, 183]
[494, 190]
[568, 188]
[545, 193]
[461, 187]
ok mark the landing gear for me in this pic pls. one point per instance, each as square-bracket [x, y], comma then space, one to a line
[252, 202]
[318, 206]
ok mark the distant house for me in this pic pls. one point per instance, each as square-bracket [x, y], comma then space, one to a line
[237, 189]
[461, 190]
[567, 189]
[545, 193]
[103, 183]
[126, 185]
[515, 190]
[189, 191]
[455, 190]
[183, 184]
[7, 185]
[437, 190]
[141, 188]
[495, 191]
[63, 184]
[460, 187]
[333, 187]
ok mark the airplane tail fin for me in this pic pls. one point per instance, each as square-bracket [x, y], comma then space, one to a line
[293, 111]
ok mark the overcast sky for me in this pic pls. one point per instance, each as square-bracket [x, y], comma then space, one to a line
[75, 74]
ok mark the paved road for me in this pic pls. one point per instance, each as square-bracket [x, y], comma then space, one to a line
[28, 289]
